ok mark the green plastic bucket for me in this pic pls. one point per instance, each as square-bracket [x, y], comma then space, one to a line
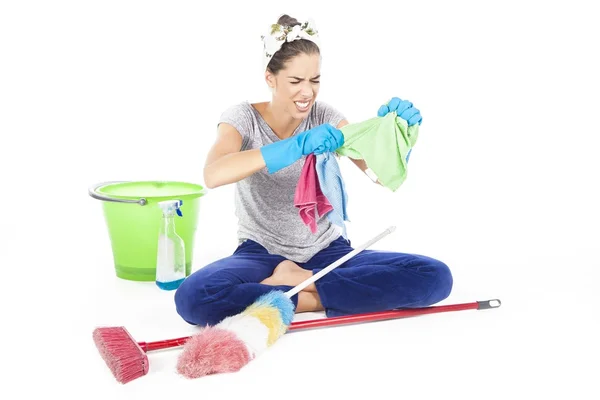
[133, 219]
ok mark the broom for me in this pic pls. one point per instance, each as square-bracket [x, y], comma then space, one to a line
[127, 359]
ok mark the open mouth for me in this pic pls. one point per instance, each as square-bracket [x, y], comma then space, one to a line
[302, 106]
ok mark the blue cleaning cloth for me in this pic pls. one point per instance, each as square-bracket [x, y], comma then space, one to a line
[332, 186]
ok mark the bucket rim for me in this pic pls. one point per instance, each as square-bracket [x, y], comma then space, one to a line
[95, 191]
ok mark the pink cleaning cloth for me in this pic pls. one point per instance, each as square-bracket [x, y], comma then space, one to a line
[309, 198]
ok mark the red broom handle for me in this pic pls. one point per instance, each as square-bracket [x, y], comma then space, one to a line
[346, 319]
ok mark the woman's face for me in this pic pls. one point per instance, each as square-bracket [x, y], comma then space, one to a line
[296, 86]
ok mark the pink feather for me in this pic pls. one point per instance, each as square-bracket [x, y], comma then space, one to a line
[212, 351]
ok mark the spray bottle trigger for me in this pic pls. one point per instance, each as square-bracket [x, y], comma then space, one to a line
[179, 208]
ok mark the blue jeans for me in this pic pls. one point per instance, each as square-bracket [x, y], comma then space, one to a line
[372, 280]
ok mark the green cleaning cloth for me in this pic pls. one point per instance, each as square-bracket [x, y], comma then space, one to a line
[383, 143]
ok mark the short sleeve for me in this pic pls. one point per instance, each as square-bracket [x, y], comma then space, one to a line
[241, 118]
[327, 114]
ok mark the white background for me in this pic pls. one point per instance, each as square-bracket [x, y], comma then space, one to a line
[502, 186]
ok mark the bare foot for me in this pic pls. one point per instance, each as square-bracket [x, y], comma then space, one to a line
[291, 274]
[309, 302]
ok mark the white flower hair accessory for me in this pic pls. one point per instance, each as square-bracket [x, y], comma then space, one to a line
[279, 34]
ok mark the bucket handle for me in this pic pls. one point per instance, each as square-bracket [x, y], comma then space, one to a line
[92, 191]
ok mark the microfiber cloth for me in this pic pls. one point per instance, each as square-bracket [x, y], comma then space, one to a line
[384, 143]
[332, 186]
[308, 197]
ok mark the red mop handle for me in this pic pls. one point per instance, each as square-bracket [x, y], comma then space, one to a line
[347, 319]
[391, 314]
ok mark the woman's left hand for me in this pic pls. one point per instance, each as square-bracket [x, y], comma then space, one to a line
[404, 109]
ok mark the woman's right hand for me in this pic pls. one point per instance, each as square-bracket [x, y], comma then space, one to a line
[317, 140]
[321, 139]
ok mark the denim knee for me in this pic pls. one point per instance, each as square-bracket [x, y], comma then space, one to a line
[195, 303]
[441, 282]
[188, 303]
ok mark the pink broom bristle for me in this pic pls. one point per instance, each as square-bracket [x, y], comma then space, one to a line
[121, 353]
[212, 351]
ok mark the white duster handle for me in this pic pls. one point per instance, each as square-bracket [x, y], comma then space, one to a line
[337, 263]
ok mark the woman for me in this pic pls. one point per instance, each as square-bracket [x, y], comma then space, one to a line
[261, 148]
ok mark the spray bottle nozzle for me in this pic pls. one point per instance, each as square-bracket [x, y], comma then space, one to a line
[170, 206]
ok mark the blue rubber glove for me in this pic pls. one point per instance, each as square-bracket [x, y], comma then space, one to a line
[404, 109]
[317, 140]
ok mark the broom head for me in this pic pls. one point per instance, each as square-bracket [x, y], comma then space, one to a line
[121, 353]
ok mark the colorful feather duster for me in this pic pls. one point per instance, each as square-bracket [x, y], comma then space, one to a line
[235, 341]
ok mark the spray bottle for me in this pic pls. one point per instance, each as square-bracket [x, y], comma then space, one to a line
[170, 259]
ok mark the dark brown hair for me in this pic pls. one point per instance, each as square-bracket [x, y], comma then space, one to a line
[290, 50]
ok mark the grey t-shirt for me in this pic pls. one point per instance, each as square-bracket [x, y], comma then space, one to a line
[264, 203]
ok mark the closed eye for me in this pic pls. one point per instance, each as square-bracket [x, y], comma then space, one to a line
[297, 79]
